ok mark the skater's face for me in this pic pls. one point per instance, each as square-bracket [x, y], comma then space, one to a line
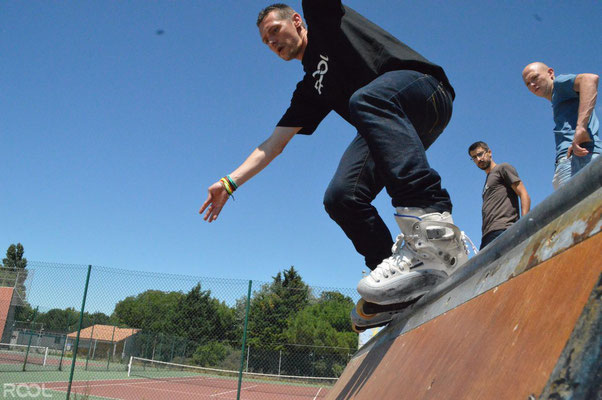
[284, 36]
[481, 157]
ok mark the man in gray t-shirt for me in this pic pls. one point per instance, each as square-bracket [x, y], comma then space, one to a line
[501, 193]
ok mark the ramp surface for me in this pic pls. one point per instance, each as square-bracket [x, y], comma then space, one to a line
[505, 326]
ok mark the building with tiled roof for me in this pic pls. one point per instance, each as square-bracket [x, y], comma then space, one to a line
[102, 340]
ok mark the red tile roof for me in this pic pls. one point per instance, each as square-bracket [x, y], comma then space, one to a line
[105, 333]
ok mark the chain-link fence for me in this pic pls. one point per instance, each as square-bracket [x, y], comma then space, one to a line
[166, 336]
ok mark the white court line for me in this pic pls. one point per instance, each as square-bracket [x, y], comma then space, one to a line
[230, 391]
[121, 382]
[142, 381]
[143, 387]
[59, 391]
[83, 384]
[94, 395]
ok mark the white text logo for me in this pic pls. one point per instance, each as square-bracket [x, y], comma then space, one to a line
[24, 391]
[321, 71]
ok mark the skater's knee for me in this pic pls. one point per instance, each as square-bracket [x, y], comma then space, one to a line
[338, 201]
[362, 100]
[357, 99]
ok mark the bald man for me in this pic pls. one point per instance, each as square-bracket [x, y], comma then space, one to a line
[576, 128]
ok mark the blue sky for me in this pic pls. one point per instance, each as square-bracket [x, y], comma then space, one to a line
[110, 133]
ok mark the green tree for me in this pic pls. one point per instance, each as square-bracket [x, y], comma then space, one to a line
[330, 311]
[273, 305]
[174, 324]
[323, 323]
[13, 273]
[57, 320]
[97, 318]
[202, 319]
[324, 330]
[67, 320]
[212, 354]
[14, 257]
[151, 311]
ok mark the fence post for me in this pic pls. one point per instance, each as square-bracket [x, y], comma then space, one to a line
[109, 352]
[144, 348]
[244, 341]
[89, 347]
[63, 351]
[248, 355]
[35, 313]
[279, 362]
[160, 347]
[173, 347]
[79, 329]
[66, 340]
[185, 346]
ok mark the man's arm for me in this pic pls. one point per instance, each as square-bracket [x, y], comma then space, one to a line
[525, 200]
[587, 87]
[258, 160]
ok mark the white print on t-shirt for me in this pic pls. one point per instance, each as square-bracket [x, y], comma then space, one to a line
[321, 71]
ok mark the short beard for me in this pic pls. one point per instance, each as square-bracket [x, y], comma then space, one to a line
[487, 164]
[291, 54]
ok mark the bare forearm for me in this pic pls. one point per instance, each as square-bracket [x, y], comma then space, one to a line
[525, 204]
[525, 201]
[220, 191]
[588, 93]
[263, 155]
[257, 161]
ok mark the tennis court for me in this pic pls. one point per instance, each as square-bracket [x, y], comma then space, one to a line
[17, 354]
[37, 358]
[199, 327]
[148, 379]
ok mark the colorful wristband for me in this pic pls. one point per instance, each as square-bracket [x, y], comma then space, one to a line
[226, 186]
[232, 183]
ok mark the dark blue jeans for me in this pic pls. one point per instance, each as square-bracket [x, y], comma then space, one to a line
[397, 116]
[490, 237]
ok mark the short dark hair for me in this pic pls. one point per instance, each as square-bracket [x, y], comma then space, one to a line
[482, 145]
[284, 12]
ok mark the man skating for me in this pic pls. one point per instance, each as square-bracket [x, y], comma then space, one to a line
[399, 103]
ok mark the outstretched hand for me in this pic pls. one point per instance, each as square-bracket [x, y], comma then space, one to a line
[216, 199]
[581, 136]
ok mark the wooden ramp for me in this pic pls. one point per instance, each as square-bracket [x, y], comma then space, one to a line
[522, 320]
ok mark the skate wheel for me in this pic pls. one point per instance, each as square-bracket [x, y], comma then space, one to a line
[359, 308]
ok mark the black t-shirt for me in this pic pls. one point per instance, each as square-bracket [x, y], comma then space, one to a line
[345, 52]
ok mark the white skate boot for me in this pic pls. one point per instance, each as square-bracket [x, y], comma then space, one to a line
[429, 249]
